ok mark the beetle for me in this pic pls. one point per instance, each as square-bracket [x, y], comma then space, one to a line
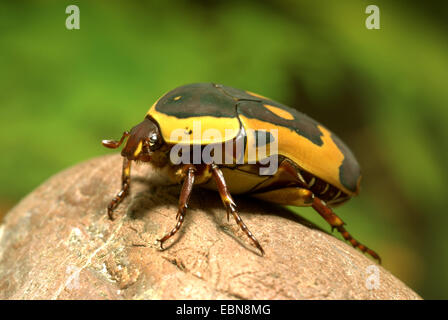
[313, 166]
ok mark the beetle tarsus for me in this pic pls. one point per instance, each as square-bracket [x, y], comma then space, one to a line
[231, 206]
[112, 144]
[176, 228]
[125, 184]
[358, 245]
[110, 213]
[245, 229]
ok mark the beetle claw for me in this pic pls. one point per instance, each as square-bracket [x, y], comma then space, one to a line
[261, 250]
[111, 214]
[161, 244]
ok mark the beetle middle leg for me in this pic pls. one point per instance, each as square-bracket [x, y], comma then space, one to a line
[230, 204]
[125, 183]
[185, 193]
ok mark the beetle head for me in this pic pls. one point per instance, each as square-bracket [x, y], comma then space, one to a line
[143, 139]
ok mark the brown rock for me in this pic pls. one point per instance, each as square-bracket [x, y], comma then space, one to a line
[58, 243]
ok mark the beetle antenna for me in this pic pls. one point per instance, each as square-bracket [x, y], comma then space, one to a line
[113, 144]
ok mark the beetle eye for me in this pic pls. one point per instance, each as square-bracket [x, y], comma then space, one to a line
[152, 139]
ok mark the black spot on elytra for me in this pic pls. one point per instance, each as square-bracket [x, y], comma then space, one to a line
[349, 170]
[199, 99]
[301, 124]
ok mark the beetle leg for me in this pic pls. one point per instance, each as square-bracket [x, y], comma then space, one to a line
[303, 197]
[230, 204]
[336, 222]
[290, 168]
[185, 193]
[291, 196]
[112, 144]
[125, 183]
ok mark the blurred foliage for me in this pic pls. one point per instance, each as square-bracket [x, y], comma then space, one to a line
[382, 91]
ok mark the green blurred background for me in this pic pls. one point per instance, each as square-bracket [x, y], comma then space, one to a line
[383, 91]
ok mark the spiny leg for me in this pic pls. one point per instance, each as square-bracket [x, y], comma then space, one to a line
[185, 193]
[336, 223]
[125, 184]
[326, 212]
[231, 206]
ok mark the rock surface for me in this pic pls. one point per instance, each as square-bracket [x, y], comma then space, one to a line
[58, 243]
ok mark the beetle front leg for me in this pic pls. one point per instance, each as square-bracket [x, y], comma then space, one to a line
[125, 184]
[231, 206]
[185, 193]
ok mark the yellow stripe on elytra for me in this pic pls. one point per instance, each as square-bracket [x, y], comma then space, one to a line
[185, 128]
[322, 161]
[279, 112]
[257, 95]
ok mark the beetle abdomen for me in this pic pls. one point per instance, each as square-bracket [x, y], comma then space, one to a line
[325, 191]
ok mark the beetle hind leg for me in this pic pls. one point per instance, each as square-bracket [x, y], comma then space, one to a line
[337, 223]
[292, 196]
[297, 196]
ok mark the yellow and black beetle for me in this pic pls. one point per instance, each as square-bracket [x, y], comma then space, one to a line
[313, 166]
